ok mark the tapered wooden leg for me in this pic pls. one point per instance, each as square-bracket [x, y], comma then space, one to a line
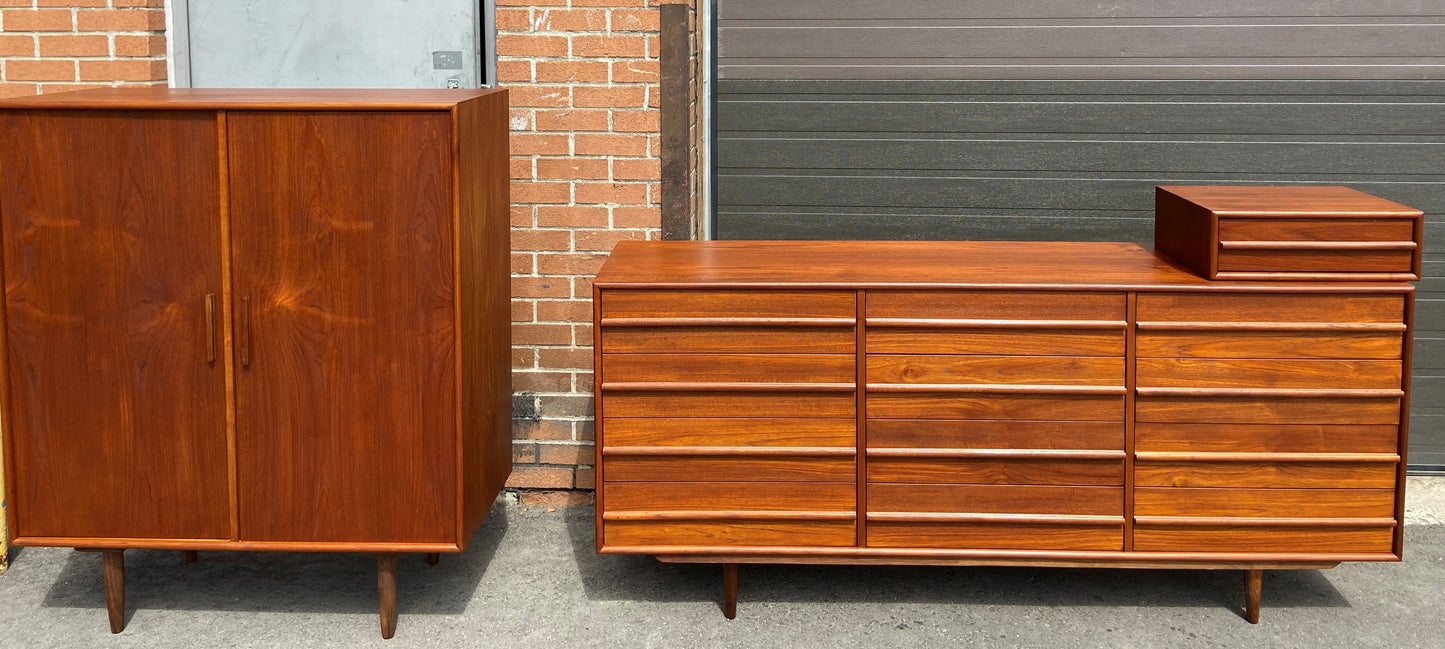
[386, 588]
[730, 590]
[433, 558]
[192, 556]
[114, 561]
[1253, 584]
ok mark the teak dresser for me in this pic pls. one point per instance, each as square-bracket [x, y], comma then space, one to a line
[993, 403]
[255, 320]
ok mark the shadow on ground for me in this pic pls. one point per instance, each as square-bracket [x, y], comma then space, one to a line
[296, 582]
[643, 578]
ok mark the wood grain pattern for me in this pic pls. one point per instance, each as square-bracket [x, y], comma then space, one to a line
[483, 301]
[999, 536]
[1265, 438]
[1267, 410]
[1010, 471]
[730, 496]
[1235, 307]
[1269, 344]
[349, 406]
[729, 533]
[731, 304]
[1272, 373]
[1304, 229]
[717, 431]
[1292, 540]
[730, 404]
[704, 368]
[1286, 502]
[995, 370]
[732, 468]
[727, 340]
[1018, 342]
[940, 433]
[996, 305]
[116, 421]
[1299, 475]
[995, 499]
[996, 406]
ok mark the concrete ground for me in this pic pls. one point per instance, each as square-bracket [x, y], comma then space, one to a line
[532, 579]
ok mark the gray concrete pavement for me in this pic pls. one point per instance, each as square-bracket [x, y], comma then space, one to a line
[532, 579]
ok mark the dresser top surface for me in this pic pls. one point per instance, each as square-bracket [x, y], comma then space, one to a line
[154, 98]
[1289, 201]
[926, 264]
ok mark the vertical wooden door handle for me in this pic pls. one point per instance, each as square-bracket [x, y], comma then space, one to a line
[246, 332]
[211, 328]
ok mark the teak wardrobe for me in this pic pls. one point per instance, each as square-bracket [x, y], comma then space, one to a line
[255, 320]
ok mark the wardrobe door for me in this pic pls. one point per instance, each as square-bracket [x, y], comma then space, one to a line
[344, 294]
[112, 261]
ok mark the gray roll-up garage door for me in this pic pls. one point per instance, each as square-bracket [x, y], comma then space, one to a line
[1054, 119]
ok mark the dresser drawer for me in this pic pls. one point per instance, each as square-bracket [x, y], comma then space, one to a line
[989, 339]
[995, 499]
[1057, 406]
[994, 370]
[1239, 257]
[1290, 540]
[981, 434]
[1272, 374]
[945, 534]
[1270, 308]
[730, 465]
[998, 469]
[1308, 230]
[692, 305]
[730, 368]
[1265, 438]
[729, 403]
[981, 307]
[1160, 340]
[1156, 406]
[728, 340]
[723, 532]
[1265, 474]
[728, 431]
[1263, 503]
[729, 496]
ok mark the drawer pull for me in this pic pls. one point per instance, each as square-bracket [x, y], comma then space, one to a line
[1231, 521]
[1172, 456]
[1001, 388]
[246, 332]
[1389, 327]
[944, 323]
[707, 515]
[996, 453]
[755, 451]
[1033, 519]
[1317, 245]
[1303, 393]
[723, 386]
[210, 327]
[729, 322]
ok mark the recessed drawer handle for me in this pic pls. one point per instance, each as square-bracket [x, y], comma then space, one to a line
[1317, 245]
[246, 332]
[211, 328]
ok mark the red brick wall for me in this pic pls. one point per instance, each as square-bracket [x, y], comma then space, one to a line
[56, 45]
[583, 76]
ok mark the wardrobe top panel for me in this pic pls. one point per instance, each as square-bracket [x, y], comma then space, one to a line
[158, 98]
